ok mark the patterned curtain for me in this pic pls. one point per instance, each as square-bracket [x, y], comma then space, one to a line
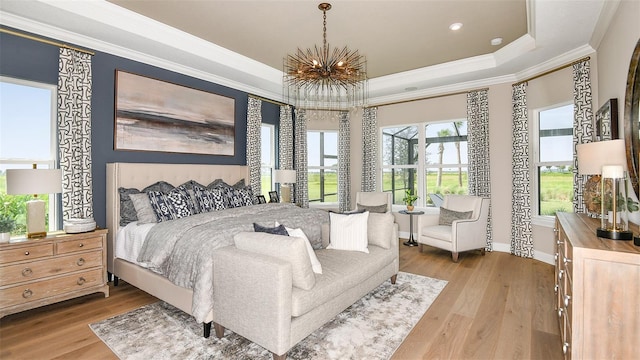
[74, 133]
[582, 126]
[478, 149]
[521, 232]
[254, 149]
[344, 162]
[285, 138]
[302, 186]
[369, 148]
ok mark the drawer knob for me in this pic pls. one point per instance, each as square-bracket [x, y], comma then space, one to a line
[26, 253]
[80, 262]
[27, 293]
[80, 245]
[567, 300]
[27, 272]
[565, 348]
[81, 281]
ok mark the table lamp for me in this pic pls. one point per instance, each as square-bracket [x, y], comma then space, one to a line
[34, 181]
[285, 178]
[607, 159]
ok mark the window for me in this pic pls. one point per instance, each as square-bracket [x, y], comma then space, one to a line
[27, 137]
[322, 152]
[553, 160]
[441, 168]
[267, 162]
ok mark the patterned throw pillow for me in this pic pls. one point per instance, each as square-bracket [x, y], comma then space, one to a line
[448, 216]
[278, 230]
[172, 205]
[209, 199]
[127, 210]
[373, 208]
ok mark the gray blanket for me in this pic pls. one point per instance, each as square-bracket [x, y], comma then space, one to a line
[181, 249]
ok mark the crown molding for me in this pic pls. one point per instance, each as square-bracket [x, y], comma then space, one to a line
[561, 60]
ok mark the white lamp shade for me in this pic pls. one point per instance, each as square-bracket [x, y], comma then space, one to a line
[284, 176]
[34, 181]
[593, 156]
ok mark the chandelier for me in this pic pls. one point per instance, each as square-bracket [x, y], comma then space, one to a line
[320, 79]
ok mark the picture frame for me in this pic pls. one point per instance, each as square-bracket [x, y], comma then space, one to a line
[155, 115]
[273, 197]
[261, 199]
[606, 121]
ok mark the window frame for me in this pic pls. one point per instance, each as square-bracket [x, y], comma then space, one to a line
[55, 201]
[272, 162]
[537, 218]
[322, 168]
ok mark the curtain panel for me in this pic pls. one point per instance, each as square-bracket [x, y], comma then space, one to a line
[521, 231]
[285, 139]
[302, 184]
[74, 133]
[369, 149]
[478, 150]
[254, 149]
[582, 126]
[344, 162]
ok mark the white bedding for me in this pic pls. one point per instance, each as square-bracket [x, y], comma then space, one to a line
[129, 241]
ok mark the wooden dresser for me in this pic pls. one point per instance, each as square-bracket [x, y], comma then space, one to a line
[59, 267]
[598, 291]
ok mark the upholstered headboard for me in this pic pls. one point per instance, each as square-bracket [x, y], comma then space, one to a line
[140, 175]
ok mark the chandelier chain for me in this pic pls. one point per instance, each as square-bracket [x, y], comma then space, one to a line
[324, 30]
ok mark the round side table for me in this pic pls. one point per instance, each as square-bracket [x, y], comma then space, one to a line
[411, 241]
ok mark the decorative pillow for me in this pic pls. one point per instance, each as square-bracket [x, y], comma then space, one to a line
[448, 216]
[287, 248]
[209, 199]
[240, 184]
[127, 210]
[315, 263]
[217, 183]
[144, 210]
[161, 186]
[172, 205]
[348, 232]
[380, 229]
[190, 187]
[372, 208]
[278, 230]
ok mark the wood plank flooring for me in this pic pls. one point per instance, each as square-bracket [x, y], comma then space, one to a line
[496, 306]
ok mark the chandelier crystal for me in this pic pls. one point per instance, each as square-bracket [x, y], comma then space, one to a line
[320, 79]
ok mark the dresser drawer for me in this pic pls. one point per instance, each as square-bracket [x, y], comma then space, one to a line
[38, 269]
[20, 294]
[26, 253]
[70, 246]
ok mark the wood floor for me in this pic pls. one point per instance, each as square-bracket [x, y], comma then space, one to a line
[496, 306]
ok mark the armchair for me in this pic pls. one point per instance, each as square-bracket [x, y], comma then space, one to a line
[463, 234]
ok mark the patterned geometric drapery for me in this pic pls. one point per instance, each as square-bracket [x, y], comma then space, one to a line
[285, 138]
[521, 231]
[302, 188]
[369, 149]
[478, 150]
[582, 126]
[254, 149]
[344, 162]
[74, 133]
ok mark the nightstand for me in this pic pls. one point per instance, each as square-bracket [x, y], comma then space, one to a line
[37, 272]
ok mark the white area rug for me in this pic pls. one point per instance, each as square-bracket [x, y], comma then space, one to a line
[372, 328]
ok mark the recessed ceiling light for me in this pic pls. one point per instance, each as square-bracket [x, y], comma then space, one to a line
[455, 26]
[497, 41]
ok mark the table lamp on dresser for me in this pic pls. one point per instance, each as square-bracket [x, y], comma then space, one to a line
[34, 181]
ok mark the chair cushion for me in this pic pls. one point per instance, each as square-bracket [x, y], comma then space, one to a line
[348, 232]
[288, 248]
[449, 216]
[440, 232]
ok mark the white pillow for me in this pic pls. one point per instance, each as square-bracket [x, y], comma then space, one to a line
[349, 232]
[315, 264]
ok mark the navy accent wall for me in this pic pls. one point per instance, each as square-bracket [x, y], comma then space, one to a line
[32, 60]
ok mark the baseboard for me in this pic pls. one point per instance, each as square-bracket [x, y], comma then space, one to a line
[506, 248]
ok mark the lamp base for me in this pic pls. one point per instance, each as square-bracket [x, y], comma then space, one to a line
[614, 234]
[35, 219]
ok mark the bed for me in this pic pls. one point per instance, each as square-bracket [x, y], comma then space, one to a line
[140, 175]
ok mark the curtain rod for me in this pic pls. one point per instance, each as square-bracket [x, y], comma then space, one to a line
[429, 97]
[50, 42]
[552, 71]
[267, 100]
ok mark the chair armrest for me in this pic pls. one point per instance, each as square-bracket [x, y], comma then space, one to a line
[470, 234]
[252, 297]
